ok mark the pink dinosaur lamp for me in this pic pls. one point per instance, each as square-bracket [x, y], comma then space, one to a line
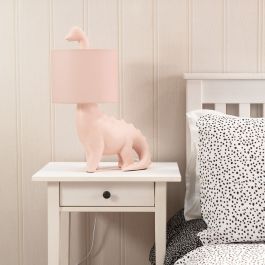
[86, 77]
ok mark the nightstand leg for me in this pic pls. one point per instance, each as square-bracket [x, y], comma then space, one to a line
[160, 221]
[64, 238]
[53, 223]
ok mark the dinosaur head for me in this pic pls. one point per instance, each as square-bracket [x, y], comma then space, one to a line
[75, 34]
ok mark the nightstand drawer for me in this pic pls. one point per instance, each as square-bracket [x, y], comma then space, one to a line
[106, 194]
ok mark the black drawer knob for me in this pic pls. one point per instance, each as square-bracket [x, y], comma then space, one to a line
[106, 194]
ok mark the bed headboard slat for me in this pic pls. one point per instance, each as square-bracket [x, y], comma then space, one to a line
[244, 110]
[220, 107]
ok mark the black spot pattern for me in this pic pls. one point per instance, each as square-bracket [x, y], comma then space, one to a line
[181, 238]
[231, 254]
[231, 159]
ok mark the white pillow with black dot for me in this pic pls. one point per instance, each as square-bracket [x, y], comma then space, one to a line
[192, 207]
[225, 254]
[231, 165]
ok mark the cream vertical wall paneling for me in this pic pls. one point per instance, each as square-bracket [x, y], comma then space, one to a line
[102, 28]
[33, 46]
[137, 107]
[242, 35]
[207, 28]
[171, 54]
[9, 244]
[66, 144]
[157, 41]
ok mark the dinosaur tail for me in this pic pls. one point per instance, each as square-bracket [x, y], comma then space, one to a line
[141, 148]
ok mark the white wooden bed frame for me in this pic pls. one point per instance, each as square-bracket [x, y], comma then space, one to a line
[221, 89]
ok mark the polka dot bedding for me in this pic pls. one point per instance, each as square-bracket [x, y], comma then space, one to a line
[181, 238]
[225, 254]
[231, 164]
[231, 159]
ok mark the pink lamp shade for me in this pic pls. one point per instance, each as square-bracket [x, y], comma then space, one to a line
[85, 75]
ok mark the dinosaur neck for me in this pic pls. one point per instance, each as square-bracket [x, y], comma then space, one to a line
[89, 110]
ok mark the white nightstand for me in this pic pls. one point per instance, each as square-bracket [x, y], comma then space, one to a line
[71, 189]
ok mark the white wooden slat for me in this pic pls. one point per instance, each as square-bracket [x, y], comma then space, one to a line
[242, 36]
[160, 221]
[65, 238]
[67, 146]
[33, 46]
[53, 223]
[9, 138]
[220, 107]
[137, 107]
[244, 110]
[207, 52]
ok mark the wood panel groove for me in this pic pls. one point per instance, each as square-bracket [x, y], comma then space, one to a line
[189, 35]
[120, 49]
[155, 80]
[259, 35]
[224, 36]
[18, 132]
[121, 75]
[51, 46]
[262, 35]
[122, 240]
[85, 16]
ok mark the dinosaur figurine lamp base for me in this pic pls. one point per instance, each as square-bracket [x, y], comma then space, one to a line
[87, 77]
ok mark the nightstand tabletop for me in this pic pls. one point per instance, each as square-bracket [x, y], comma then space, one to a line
[108, 171]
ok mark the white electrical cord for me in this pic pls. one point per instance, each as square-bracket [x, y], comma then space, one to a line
[92, 243]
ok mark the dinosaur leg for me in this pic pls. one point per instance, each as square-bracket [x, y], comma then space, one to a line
[88, 159]
[126, 155]
[93, 158]
[120, 163]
